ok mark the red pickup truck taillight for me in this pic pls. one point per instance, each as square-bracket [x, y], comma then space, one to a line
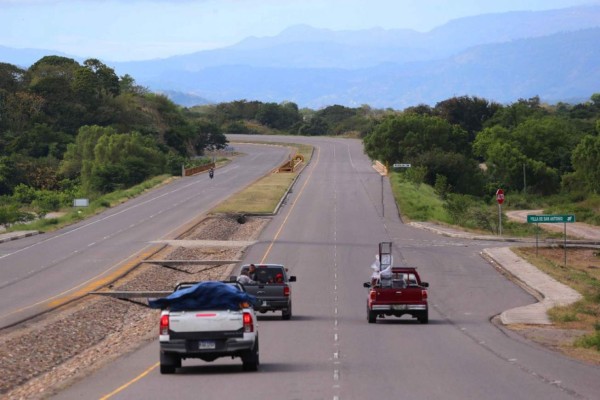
[424, 294]
[164, 325]
[248, 323]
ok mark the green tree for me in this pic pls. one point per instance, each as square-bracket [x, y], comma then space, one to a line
[51, 78]
[79, 157]
[7, 175]
[278, 116]
[122, 160]
[40, 141]
[11, 78]
[19, 111]
[207, 136]
[514, 114]
[548, 139]
[470, 113]
[586, 162]
[315, 126]
[402, 138]
[460, 173]
[539, 147]
[107, 82]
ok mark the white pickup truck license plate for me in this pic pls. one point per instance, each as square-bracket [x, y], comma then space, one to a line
[206, 344]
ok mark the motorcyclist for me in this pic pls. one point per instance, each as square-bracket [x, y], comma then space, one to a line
[211, 172]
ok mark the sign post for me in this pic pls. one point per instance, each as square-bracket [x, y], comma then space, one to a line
[552, 219]
[500, 200]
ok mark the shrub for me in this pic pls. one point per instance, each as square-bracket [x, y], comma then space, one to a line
[457, 206]
[590, 341]
[24, 194]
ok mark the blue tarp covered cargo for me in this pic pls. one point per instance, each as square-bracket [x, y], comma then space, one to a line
[209, 295]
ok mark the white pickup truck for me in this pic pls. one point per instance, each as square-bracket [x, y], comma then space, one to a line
[207, 320]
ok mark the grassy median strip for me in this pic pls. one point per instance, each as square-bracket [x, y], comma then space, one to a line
[263, 196]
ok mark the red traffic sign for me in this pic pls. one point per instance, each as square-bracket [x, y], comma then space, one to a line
[500, 196]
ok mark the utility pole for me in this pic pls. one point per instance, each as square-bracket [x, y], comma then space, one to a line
[524, 181]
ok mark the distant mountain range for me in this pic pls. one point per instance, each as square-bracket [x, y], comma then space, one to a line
[501, 57]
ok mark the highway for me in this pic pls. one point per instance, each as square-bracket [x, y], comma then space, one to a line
[327, 234]
[40, 272]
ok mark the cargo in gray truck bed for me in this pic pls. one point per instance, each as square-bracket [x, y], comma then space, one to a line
[270, 285]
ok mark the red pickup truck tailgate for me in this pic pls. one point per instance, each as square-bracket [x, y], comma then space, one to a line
[398, 295]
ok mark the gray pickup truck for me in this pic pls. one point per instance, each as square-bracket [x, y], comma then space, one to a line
[271, 288]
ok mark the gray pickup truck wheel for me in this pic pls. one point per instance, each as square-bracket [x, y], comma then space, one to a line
[287, 314]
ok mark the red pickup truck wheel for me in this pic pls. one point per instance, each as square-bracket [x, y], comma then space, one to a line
[371, 316]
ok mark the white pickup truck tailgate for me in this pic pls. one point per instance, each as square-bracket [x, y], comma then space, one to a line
[205, 321]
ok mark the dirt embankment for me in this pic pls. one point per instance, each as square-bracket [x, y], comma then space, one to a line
[47, 354]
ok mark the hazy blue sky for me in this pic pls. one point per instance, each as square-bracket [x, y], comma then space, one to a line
[120, 30]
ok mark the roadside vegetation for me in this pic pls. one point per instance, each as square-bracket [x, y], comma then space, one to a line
[68, 215]
[582, 273]
[72, 130]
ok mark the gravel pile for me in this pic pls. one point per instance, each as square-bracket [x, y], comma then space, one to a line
[45, 355]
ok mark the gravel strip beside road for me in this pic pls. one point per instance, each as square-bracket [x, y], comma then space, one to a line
[43, 356]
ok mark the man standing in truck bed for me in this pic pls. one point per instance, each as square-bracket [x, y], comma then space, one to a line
[252, 272]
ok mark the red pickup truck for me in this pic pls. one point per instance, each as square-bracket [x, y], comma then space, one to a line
[402, 292]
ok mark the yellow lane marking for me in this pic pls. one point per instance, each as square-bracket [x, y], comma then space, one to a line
[131, 382]
[91, 284]
[292, 207]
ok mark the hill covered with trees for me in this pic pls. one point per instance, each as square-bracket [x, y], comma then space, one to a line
[69, 130]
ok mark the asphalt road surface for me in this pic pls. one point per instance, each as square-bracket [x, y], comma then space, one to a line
[327, 234]
[39, 272]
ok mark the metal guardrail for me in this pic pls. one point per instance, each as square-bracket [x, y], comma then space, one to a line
[290, 166]
[196, 170]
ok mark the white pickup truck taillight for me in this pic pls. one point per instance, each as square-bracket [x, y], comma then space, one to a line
[248, 323]
[164, 325]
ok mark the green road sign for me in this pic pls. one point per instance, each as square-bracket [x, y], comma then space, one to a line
[550, 219]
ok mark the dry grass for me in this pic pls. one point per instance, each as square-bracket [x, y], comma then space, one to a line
[576, 329]
[263, 196]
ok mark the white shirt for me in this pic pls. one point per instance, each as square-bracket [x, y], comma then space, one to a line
[244, 280]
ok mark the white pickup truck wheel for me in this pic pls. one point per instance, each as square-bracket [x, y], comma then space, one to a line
[169, 363]
[250, 361]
